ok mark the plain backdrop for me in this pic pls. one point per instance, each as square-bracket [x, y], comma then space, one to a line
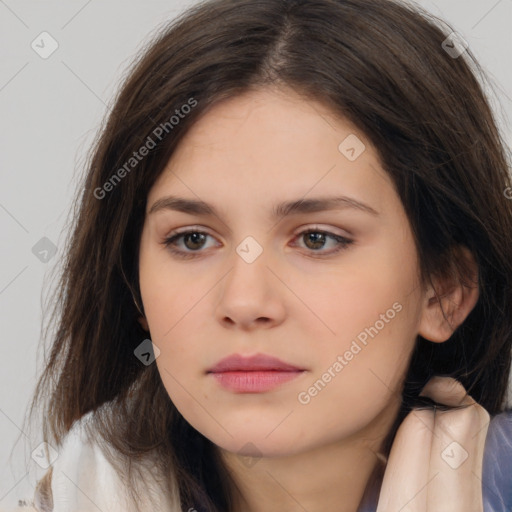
[51, 109]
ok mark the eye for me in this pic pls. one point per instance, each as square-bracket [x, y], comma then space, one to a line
[193, 240]
[315, 239]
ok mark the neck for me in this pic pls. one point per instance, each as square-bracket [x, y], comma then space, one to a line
[333, 477]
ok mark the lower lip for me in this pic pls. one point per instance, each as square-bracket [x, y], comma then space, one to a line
[254, 381]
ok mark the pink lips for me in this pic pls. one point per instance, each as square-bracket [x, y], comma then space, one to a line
[254, 374]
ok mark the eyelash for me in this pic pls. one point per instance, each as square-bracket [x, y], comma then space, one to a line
[343, 243]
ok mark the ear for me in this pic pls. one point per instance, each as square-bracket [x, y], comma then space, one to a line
[443, 313]
[144, 323]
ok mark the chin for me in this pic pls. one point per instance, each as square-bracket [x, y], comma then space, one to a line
[257, 442]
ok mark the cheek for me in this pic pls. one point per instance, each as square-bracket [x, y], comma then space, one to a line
[173, 307]
[171, 296]
[355, 381]
[374, 311]
[365, 297]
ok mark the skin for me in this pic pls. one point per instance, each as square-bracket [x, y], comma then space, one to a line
[245, 155]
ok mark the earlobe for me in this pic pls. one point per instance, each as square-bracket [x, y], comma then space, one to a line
[144, 323]
[442, 314]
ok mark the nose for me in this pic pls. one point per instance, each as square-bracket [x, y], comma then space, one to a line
[250, 296]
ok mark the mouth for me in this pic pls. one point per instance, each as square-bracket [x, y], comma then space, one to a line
[254, 374]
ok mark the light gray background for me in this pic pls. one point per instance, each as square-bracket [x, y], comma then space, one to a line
[50, 111]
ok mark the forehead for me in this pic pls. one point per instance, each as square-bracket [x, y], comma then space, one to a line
[270, 145]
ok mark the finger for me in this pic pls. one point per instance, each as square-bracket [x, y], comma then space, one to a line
[447, 391]
[457, 449]
[406, 477]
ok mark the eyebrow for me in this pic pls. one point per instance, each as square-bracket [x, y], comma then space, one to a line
[285, 209]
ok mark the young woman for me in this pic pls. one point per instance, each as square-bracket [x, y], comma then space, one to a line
[289, 284]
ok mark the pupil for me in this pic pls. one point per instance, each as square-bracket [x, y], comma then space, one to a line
[317, 239]
[196, 239]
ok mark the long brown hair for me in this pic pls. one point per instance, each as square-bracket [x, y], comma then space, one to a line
[382, 65]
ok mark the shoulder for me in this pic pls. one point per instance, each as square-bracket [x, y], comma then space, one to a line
[62, 470]
[81, 475]
[497, 464]
[82, 478]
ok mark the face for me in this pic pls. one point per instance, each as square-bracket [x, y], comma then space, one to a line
[331, 288]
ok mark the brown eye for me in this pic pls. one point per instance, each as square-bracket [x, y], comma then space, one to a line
[315, 240]
[194, 240]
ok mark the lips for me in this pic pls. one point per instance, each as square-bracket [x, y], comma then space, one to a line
[253, 374]
[258, 362]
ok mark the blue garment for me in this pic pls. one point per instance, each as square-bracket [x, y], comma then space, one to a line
[496, 468]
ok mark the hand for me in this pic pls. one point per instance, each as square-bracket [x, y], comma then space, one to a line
[435, 464]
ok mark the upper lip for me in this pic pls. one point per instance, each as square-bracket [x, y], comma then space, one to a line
[258, 362]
